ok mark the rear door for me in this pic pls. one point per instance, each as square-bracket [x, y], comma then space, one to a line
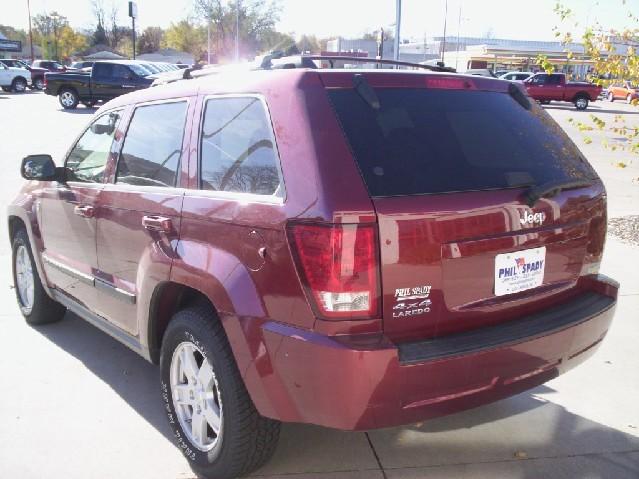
[555, 87]
[446, 169]
[139, 212]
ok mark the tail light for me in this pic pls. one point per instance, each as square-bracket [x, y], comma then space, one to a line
[596, 242]
[339, 268]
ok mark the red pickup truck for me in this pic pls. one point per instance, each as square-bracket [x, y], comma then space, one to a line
[546, 87]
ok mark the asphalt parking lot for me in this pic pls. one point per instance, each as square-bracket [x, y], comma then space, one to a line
[77, 404]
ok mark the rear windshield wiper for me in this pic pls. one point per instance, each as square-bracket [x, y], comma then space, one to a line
[365, 91]
[552, 188]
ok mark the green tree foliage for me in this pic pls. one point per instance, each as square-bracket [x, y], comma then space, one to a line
[14, 33]
[150, 40]
[70, 42]
[47, 28]
[615, 59]
[256, 18]
[186, 37]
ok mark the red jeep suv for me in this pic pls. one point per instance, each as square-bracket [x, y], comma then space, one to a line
[350, 248]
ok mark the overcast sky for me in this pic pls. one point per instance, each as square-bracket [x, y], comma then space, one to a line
[518, 19]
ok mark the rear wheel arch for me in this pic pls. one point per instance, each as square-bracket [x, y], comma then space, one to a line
[168, 298]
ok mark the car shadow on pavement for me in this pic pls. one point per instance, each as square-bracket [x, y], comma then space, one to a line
[497, 432]
[134, 379]
[79, 111]
[591, 109]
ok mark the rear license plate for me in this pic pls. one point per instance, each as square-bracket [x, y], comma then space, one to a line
[519, 271]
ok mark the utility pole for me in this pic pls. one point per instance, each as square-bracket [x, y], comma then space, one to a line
[237, 31]
[398, 19]
[30, 32]
[444, 42]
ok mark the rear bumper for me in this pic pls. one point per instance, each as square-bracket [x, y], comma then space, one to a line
[358, 383]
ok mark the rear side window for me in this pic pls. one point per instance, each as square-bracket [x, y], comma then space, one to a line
[153, 145]
[424, 141]
[238, 151]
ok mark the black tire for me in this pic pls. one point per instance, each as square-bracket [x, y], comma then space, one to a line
[19, 85]
[38, 83]
[545, 102]
[581, 103]
[68, 98]
[44, 309]
[246, 440]
[6, 89]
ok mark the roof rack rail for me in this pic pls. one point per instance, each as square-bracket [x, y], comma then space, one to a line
[306, 61]
[276, 61]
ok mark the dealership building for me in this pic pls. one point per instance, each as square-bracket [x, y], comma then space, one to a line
[465, 53]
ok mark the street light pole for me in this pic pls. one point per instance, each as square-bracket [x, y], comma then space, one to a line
[458, 29]
[30, 32]
[208, 41]
[55, 18]
[444, 43]
[237, 31]
[398, 20]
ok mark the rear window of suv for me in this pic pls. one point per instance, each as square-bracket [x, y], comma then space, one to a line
[423, 141]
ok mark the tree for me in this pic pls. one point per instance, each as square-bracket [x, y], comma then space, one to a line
[99, 36]
[47, 28]
[186, 37]
[14, 33]
[150, 40]
[256, 18]
[70, 42]
[614, 58]
[309, 43]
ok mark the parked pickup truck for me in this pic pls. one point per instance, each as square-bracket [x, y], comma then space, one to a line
[546, 87]
[106, 80]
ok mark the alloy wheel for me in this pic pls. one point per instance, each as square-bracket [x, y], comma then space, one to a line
[196, 396]
[67, 98]
[24, 277]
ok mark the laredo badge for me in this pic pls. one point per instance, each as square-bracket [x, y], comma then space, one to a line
[412, 301]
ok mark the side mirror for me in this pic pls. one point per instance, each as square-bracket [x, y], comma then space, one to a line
[39, 168]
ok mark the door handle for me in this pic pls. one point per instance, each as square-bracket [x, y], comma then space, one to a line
[157, 223]
[85, 211]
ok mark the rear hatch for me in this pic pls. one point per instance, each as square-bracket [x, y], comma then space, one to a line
[448, 163]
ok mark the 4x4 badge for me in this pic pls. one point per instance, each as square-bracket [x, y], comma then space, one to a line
[533, 218]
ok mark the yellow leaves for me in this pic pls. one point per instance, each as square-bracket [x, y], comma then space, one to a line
[542, 61]
[587, 140]
[621, 164]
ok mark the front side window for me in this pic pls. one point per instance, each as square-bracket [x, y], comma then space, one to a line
[238, 152]
[88, 159]
[540, 79]
[153, 145]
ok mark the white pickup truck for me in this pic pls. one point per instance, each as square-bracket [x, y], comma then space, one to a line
[14, 79]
